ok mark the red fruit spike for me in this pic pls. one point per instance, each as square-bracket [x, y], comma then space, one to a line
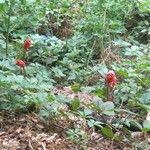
[20, 63]
[27, 44]
[111, 79]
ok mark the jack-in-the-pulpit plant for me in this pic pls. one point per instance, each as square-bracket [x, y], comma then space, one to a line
[22, 66]
[27, 44]
[111, 81]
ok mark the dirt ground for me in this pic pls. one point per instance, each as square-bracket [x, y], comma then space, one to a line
[29, 132]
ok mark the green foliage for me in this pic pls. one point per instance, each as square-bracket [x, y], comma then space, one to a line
[75, 87]
[107, 131]
[75, 44]
[144, 5]
[75, 104]
[103, 107]
[78, 136]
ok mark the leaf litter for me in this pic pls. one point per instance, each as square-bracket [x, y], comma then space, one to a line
[30, 132]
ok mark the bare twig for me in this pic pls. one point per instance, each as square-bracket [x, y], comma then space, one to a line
[43, 146]
[30, 145]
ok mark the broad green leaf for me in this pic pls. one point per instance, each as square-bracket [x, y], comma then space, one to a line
[76, 87]
[146, 125]
[75, 104]
[50, 98]
[90, 123]
[58, 72]
[103, 70]
[108, 105]
[108, 108]
[107, 131]
[88, 112]
[136, 124]
[93, 123]
[2, 8]
[98, 101]
[100, 93]
[145, 98]
[122, 43]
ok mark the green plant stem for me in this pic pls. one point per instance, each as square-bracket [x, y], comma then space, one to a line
[91, 52]
[7, 30]
[109, 93]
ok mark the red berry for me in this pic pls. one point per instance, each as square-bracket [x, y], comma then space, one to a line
[111, 78]
[27, 44]
[20, 63]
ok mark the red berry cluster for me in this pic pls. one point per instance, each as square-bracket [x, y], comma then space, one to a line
[111, 79]
[27, 44]
[20, 63]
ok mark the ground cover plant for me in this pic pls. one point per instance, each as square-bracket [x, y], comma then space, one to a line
[74, 74]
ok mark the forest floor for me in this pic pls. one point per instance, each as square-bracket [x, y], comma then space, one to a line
[30, 132]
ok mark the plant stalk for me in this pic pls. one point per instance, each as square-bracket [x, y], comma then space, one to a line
[8, 29]
[110, 93]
